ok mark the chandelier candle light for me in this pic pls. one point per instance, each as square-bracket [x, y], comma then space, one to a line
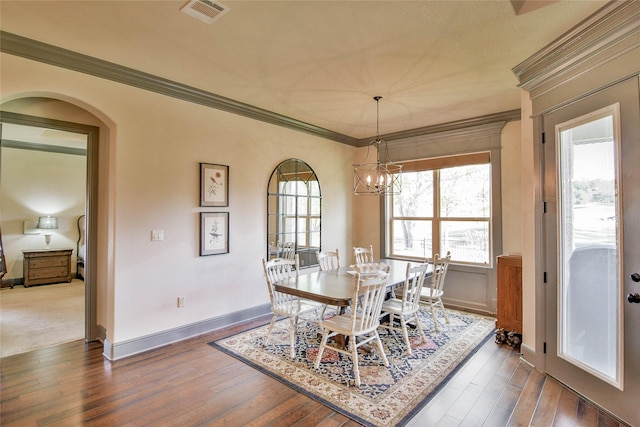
[377, 178]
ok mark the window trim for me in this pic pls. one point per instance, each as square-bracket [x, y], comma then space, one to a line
[474, 139]
[435, 165]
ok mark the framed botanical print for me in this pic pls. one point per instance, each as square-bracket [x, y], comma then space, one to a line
[214, 233]
[214, 185]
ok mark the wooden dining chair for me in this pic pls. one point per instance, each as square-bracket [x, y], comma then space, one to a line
[408, 305]
[283, 304]
[432, 295]
[360, 325]
[363, 255]
[328, 260]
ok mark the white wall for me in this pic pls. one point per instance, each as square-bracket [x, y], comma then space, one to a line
[150, 180]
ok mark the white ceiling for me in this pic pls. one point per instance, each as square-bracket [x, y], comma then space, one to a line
[320, 62]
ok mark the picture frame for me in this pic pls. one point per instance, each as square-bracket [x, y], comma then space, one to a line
[214, 185]
[214, 233]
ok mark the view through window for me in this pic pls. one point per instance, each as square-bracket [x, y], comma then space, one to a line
[590, 334]
[445, 205]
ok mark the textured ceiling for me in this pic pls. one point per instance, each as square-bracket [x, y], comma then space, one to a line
[320, 62]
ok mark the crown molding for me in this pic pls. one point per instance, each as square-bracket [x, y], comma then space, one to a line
[14, 44]
[610, 31]
[42, 52]
[502, 117]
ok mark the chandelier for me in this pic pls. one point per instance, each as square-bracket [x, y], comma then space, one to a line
[377, 178]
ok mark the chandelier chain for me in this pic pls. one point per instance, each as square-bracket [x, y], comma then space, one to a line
[377, 98]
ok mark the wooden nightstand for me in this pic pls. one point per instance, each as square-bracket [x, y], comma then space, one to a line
[43, 266]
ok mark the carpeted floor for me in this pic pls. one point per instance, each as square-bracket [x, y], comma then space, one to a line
[40, 316]
[388, 396]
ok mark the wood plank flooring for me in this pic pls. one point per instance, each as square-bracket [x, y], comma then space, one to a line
[192, 384]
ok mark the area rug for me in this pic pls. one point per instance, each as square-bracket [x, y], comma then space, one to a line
[388, 396]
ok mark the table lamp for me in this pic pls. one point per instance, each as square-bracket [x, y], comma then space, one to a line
[48, 223]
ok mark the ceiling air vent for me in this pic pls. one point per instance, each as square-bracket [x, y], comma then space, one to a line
[204, 10]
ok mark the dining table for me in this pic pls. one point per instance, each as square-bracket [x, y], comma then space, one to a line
[335, 287]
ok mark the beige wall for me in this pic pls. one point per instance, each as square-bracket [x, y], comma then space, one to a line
[150, 150]
[530, 186]
[366, 220]
[150, 180]
[511, 163]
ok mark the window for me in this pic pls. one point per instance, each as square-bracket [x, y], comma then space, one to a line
[445, 205]
[589, 249]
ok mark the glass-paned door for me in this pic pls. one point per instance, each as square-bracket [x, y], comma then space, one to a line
[591, 169]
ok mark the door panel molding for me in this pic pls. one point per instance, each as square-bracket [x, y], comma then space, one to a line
[621, 403]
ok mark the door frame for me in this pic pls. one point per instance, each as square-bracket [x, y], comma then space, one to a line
[91, 206]
[606, 395]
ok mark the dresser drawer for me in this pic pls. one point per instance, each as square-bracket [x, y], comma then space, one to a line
[48, 273]
[48, 262]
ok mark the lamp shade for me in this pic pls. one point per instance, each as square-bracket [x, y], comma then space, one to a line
[48, 222]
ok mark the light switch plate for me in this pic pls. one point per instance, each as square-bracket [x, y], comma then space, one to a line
[157, 235]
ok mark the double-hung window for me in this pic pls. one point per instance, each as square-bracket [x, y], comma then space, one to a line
[445, 205]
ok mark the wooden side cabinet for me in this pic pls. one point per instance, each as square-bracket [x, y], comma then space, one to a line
[43, 266]
[509, 293]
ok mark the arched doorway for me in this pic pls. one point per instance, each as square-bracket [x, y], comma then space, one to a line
[45, 113]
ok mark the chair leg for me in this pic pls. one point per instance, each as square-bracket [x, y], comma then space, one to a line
[433, 314]
[381, 349]
[392, 318]
[405, 334]
[354, 356]
[293, 325]
[443, 311]
[323, 343]
[273, 322]
[419, 326]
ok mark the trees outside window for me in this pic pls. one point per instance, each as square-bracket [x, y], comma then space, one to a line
[445, 205]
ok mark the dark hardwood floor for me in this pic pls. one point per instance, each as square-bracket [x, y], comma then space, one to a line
[192, 384]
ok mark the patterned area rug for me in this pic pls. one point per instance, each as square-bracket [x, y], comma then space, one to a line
[388, 396]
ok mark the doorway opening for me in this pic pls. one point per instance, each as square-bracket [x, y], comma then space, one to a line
[66, 155]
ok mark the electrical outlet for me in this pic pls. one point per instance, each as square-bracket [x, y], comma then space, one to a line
[180, 301]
